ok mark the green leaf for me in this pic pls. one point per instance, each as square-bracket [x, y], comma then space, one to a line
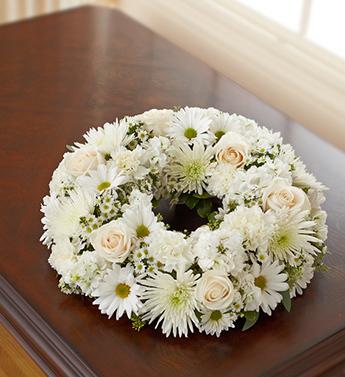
[204, 207]
[191, 202]
[251, 319]
[204, 195]
[286, 300]
[212, 216]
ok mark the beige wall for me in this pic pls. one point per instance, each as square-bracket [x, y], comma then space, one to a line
[298, 78]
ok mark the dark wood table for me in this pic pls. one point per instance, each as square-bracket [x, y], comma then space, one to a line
[60, 75]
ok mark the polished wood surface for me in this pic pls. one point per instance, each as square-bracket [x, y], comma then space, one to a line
[14, 361]
[60, 75]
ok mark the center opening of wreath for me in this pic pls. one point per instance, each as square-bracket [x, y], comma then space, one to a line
[180, 217]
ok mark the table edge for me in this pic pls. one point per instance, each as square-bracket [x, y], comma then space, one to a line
[52, 354]
[55, 357]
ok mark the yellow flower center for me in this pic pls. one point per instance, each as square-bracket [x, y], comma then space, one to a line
[122, 290]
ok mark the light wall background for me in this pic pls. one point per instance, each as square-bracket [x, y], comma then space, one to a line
[288, 52]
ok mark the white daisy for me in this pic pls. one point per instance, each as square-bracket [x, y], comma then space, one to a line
[118, 292]
[108, 138]
[104, 178]
[189, 125]
[293, 236]
[268, 282]
[190, 166]
[171, 301]
[216, 321]
[223, 123]
[140, 219]
[302, 276]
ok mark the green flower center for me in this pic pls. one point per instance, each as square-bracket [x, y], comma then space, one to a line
[260, 282]
[142, 231]
[194, 170]
[180, 296]
[216, 315]
[190, 133]
[104, 185]
[282, 240]
[219, 134]
[122, 290]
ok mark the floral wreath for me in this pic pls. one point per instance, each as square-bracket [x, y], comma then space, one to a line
[263, 232]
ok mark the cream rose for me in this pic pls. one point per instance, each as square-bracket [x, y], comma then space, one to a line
[112, 241]
[157, 121]
[280, 194]
[232, 149]
[215, 290]
[82, 161]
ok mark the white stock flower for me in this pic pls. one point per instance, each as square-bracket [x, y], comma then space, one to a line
[62, 257]
[171, 249]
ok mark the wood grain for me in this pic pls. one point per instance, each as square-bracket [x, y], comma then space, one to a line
[60, 75]
[14, 361]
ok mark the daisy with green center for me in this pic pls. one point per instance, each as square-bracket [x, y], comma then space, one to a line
[269, 281]
[216, 321]
[104, 178]
[140, 218]
[293, 236]
[171, 302]
[118, 293]
[190, 166]
[189, 125]
[223, 123]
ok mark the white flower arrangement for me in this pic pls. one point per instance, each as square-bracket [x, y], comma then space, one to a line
[263, 235]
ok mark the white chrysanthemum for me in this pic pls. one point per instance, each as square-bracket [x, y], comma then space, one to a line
[131, 163]
[170, 248]
[104, 178]
[189, 125]
[108, 138]
[62, 219]
[61, 180]
[190, 166]
[255, 226]
[118, 292]
[269, 280]
[171, 301]
[157, 121]
[292, 237]
[140, 218]
[216, 321]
